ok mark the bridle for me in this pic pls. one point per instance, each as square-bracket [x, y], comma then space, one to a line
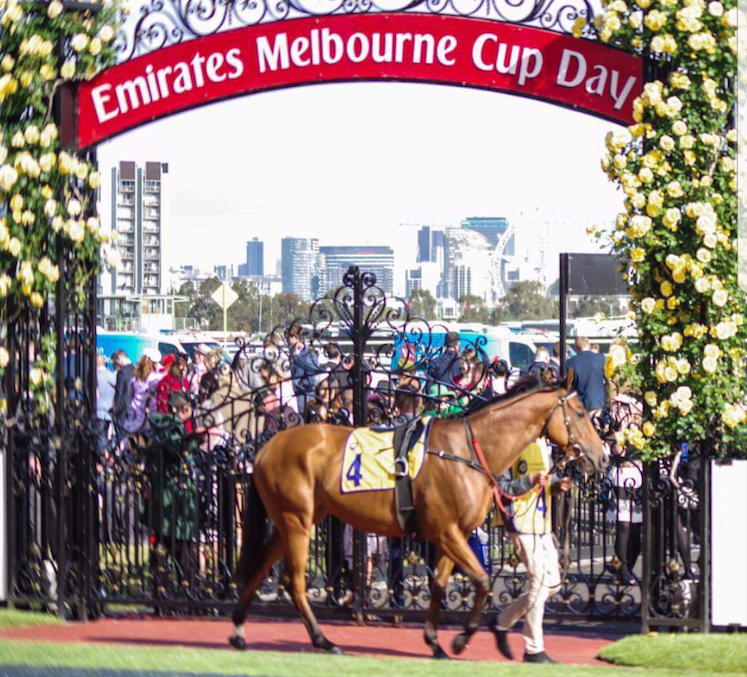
[483, 467]
[567, 457]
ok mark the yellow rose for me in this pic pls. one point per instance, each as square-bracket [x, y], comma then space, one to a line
[703, 255]
[702, 285]
[638, 255]
[16, 202]
[649, 429]
[35, 376]
[720, 297]
[687, 141]
[14, 247]
[94, 47]
[667, 143]
[106, 33]
[54, 9]
[37, 300]
[655, 20]
[79, 42]
[68, 70]
[666, 288]
[646, 175]
[650, 398]
[46, 162]
[648, 305]
[710, 365]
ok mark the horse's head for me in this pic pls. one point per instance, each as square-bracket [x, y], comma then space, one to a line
[570, 427]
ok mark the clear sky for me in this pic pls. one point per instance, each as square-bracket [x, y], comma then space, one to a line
[349, 163]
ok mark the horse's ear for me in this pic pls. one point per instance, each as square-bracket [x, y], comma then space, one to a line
[568, 383]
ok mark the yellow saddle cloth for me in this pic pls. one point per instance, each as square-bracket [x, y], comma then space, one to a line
[368, 460]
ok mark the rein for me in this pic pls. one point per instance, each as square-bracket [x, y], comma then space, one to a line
[484, 468]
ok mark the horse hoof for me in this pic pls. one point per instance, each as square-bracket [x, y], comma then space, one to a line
[440, 655]
[459, 643]
[238, 643]
[334, 650]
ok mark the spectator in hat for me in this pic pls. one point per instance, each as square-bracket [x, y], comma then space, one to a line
[446, 368]
[198, 368]
[142, 391]
[174, 380]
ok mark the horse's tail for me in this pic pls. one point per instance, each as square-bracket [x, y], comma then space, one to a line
[254, 534]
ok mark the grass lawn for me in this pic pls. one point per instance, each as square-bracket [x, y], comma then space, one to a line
[655, 656]
[276, 664]
[713, 653]
[12, 618]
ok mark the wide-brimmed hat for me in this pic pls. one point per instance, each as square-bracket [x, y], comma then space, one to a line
[153, 355]
[204, 349]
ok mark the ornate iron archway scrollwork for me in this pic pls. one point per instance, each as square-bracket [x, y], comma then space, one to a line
[162, 23]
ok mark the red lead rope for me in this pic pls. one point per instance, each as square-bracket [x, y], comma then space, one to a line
[498, 495]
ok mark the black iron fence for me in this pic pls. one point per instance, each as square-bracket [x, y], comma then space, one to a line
[100, 514]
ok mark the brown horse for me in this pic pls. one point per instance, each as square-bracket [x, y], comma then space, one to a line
[297, 482]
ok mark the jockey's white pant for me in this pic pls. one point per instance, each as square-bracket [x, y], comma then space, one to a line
[540, 556]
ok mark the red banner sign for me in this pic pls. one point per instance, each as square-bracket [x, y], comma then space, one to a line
[406, 47]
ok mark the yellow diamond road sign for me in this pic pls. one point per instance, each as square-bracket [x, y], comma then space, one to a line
[224, 296]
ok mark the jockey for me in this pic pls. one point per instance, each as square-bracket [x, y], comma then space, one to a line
[529, 523]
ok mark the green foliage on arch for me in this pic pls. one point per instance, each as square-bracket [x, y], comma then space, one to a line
[677, 233]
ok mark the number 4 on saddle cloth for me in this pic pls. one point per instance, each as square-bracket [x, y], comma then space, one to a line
[385, 459]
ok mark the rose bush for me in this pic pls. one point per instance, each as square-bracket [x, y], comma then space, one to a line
[49, 194]
[677, 233]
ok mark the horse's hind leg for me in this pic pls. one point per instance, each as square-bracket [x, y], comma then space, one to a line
[439, 581]
[456, 547]
[272, 552]
[297, 536]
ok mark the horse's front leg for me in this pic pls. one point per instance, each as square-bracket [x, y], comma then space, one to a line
[455, 546]
[439, 582]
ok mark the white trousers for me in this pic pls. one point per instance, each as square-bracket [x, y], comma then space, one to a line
[540, 556]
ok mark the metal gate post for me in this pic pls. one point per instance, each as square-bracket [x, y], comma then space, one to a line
[60, 437]
[565, 267]
[648, 470]
[359, 419]
[704, 519]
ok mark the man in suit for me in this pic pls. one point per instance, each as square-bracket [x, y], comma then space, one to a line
[124, 369]
[588, 375]
[304, 366]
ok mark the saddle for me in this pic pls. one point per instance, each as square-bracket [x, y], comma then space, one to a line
[406, 436]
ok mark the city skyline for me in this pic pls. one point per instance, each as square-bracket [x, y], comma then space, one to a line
[382, 159]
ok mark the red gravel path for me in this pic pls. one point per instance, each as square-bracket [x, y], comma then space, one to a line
[285, 635]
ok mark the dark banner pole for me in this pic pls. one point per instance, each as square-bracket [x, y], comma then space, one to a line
[564, 277]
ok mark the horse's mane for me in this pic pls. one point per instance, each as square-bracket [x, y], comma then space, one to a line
[526, 384]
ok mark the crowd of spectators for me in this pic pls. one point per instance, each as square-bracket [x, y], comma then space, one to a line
[164, 405]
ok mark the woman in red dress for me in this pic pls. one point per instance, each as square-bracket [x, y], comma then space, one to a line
[175, 380]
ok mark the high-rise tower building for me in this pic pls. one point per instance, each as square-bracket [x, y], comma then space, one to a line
[300, 266]
[377, 260]
[137, 198]
[255, 259]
